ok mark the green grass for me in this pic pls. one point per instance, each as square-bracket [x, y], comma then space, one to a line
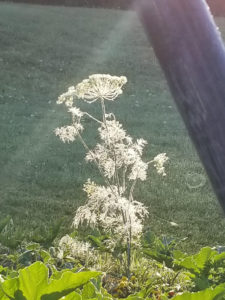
[43, 51]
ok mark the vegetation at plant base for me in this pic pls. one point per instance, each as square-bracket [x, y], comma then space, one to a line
[97, 261]
[159, 271]
[42, 178]
[111, 238]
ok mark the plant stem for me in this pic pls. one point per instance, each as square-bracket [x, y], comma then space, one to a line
[93, 118]
[132, 190]
[110, 145]
[129, 250]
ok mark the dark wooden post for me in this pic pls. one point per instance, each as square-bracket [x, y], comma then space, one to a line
[191, 53]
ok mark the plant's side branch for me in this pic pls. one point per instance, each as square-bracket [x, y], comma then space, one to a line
[95, 161]
[93, 118]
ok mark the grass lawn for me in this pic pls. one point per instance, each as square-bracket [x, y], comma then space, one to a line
[43, 51]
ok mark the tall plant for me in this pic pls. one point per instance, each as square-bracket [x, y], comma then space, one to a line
[110, 207]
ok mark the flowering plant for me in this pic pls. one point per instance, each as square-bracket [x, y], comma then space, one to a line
[110, 207]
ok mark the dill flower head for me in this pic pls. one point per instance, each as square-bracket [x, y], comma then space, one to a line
[100, 87]
[74, 247]
[67, 97]
[112, 132]
[159, 161]
[76, 112]
[68, 134]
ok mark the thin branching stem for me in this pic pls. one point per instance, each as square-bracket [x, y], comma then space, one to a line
[110, 145]
[132, 190]
[93, 118]
[119, 190]
[124, 179]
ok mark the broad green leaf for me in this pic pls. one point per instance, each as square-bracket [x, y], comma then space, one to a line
[33, 246]
[159, 256]
[33, 280]
[204, 256]
[105, 295]
[177, 254]
[88, 291]
[189, 263]
[45, 255]
[219, 257]
[132, 297]
[72, 296]
[66, 284]
[208, 294]
[9, 287]
[33, 284]
[26, 258]
[196, 263]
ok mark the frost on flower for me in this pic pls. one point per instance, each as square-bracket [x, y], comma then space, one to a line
[68, 134]
[108, 210]
[118, 151]
[140, 144]
[159, 162]
[112, 132]
[67, 97]
[76, 112]
[139, 170]
[118, 157]
[73, 247]
[100, 86]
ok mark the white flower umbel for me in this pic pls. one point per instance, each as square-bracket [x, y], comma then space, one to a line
[138, 170]
[76, 112]
[72, 247]
[110, 208]
[68, 134]
[159, 161]
[100, 86]
[67, 97]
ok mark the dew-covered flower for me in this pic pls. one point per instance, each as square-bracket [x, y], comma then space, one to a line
[140, 144]
[76, 112]
[159, 161]
[68, 134]
[108, 210]
[104, 158]
[112, 132]
[138, 170]
[67, 97]
[117, 150]
[109, 168]
[73, 247]
[100, 86]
